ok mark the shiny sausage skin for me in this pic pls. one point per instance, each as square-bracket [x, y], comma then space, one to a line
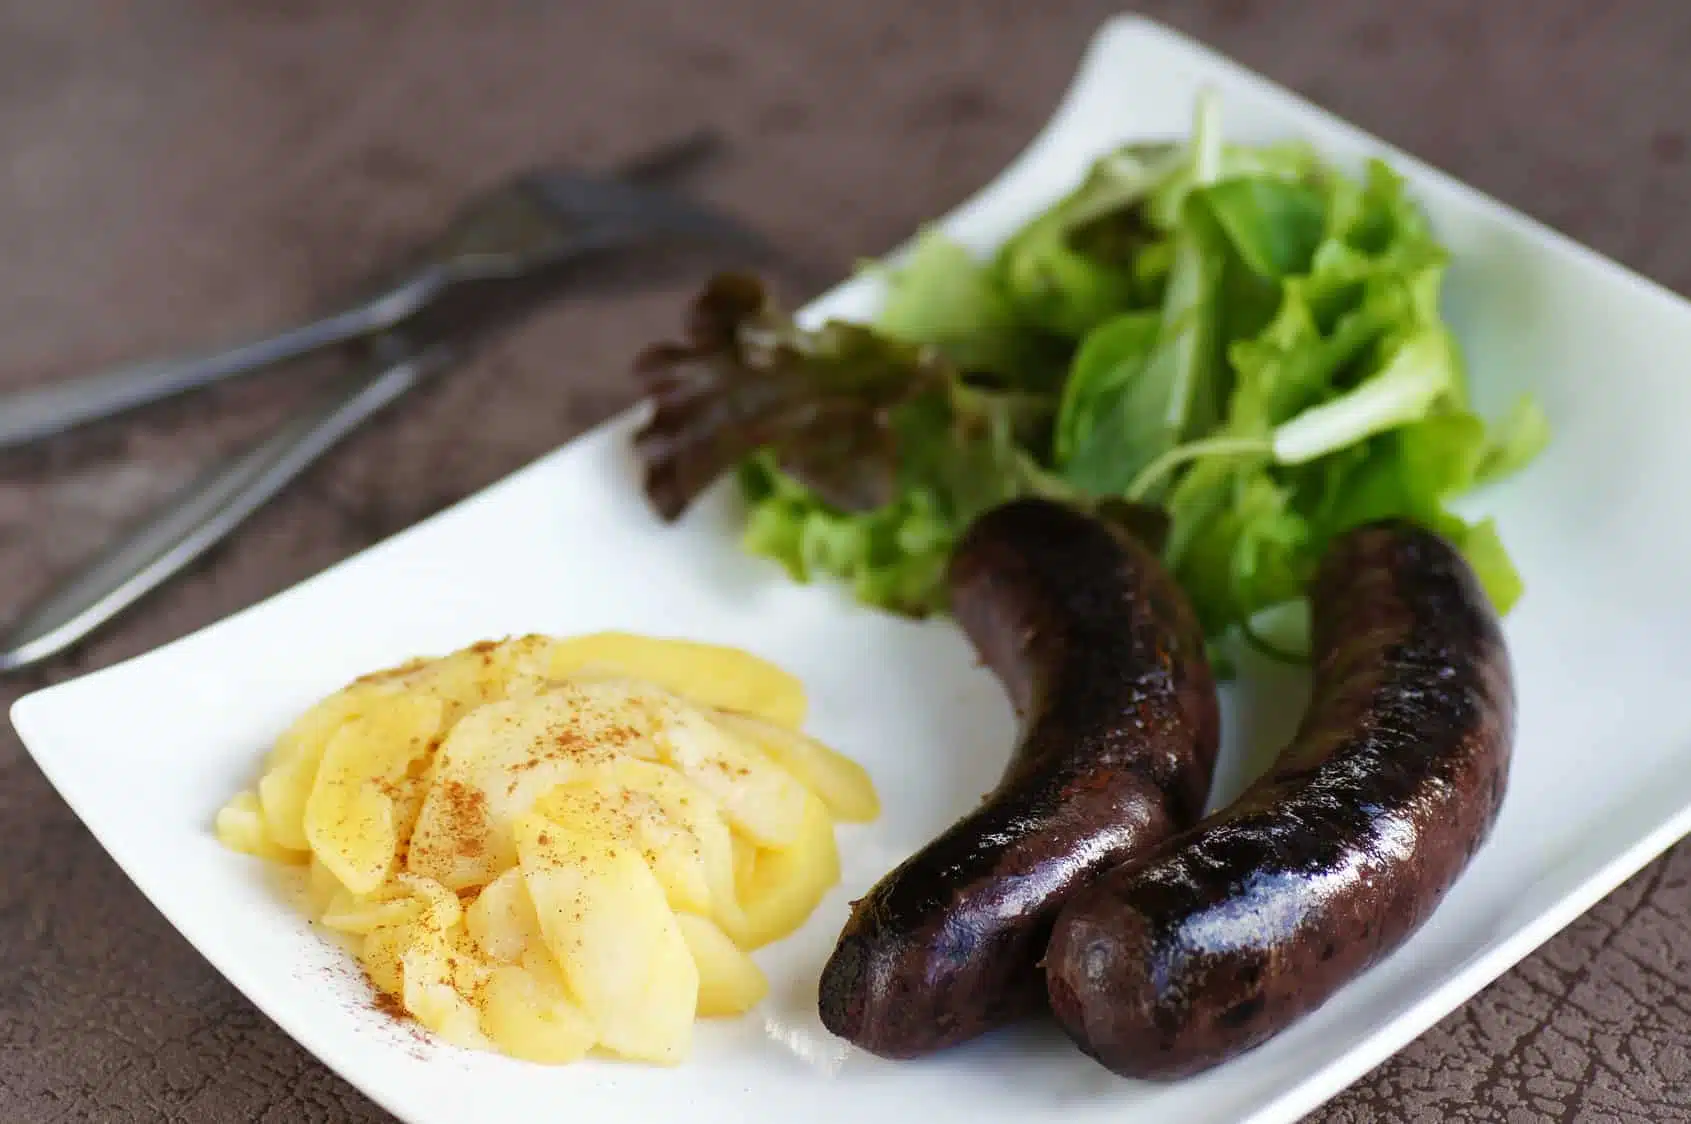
[1104, 661]
[1230, 932]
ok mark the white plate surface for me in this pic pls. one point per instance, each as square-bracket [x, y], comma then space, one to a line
[1601, 527]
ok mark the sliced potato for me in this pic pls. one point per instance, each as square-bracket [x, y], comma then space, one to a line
[708, 674]
[604, 917]
[842, 783]
[787, 884]
[350, 818]
[730, 982]
[240, 826]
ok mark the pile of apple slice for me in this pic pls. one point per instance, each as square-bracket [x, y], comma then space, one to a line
[546, 846]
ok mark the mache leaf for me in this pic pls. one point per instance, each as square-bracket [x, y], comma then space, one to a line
[1110, 357]
[1274, 225]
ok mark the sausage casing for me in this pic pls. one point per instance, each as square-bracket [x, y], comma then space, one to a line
[1230, 932]
[1104, 660]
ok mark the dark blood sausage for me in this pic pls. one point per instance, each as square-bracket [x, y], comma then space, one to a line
[1230, 932]
[1105, 663]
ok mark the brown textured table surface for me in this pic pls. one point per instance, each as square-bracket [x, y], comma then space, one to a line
[177, 170]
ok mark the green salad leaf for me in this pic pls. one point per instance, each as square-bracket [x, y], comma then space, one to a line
[1239, 349]
[1275, 226]
[943, 297]
[1093, 254]
[1110, 360]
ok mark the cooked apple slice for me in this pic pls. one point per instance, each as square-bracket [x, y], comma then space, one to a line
[351, 820]
[502, 757]
[437, 976]
[788, 883]
[291, 769]
[240, 826]
[475, 676]
[842, 783]
[759, 798]
[730, 982]
[603, 915]
[709, 674]
[527, 1012]
[501, 919]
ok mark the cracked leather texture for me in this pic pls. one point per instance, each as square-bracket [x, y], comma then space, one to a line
[177, 171]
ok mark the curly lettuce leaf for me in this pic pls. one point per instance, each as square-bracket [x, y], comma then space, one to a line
[1349, 405]
[1061, 287]
[1514, 442]
[1252, 551]
[892, 557]
[1415, 376]
[1092, 255]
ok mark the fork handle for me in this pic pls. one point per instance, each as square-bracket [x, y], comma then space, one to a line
[30, 415]
[203, 514]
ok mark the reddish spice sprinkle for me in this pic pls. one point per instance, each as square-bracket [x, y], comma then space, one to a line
[466, 818]
[390, 1005]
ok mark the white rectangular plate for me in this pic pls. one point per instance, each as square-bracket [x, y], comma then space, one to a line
[147, 751]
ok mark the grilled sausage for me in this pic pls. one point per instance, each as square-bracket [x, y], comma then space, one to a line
[1104, 661]
[1230, 932]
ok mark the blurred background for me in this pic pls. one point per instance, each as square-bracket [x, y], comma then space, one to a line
[178, 172]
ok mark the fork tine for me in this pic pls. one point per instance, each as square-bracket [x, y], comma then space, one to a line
[615, 208]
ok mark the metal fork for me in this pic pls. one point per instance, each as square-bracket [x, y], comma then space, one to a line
[517, 229]
[500, 258]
